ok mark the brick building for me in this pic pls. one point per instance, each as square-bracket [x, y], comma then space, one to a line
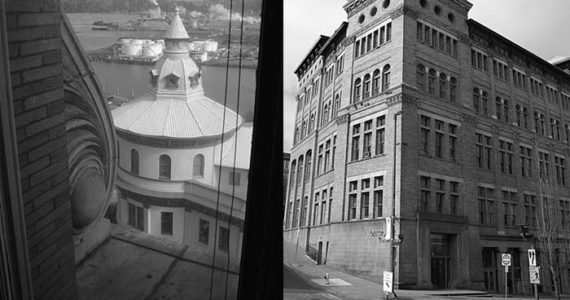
[412, 103]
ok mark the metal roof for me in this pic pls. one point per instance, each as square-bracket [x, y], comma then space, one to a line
[195, 117]
[176, 29]
[243, 146]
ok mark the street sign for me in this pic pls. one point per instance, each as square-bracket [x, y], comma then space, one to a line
[388, 282]
[534, 273]
[388, 228]
[506, 259]
[532, 257]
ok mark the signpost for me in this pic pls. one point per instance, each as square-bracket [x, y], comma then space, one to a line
[388, 283]
[506, 261]
[534, 273]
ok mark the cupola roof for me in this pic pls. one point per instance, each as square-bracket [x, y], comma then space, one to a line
[175, 106]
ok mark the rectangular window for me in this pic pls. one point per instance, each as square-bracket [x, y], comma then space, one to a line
[559, 164]
[452, 142]
[355, 142]
[224, 241]
[424, 193]
[487, 207]
[352, 206]
[166, 220]
[506, 156]
[424, 134]
[136, 217]
[378, 201]
[453, 197]
[364, 205]
[204, 234]
[380, 127]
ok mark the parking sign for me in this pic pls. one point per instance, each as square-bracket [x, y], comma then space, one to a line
[506, 259]
[532, 257]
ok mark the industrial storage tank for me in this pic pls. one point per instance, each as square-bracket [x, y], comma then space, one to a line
[152, 50]
[131, 49]
[210, 46]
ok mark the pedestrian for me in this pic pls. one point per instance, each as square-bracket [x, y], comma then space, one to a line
[327, 278]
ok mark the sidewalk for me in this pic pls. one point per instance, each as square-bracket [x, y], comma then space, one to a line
[349, 287]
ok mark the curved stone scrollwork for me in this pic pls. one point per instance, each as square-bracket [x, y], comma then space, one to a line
[90, 135]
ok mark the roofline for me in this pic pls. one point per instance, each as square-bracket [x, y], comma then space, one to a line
[321, 38]
[340, 28]
[471, 22]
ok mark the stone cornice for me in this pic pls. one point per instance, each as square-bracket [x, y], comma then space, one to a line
[356, 6]
[171, 143]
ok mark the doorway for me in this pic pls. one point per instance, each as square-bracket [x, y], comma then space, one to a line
[440, 261]
[490, 257]
[320, 253]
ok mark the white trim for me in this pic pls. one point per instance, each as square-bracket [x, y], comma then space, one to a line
[438, 176]
[480, 131]
[509, 189]
[368, 118]
[365, 176]
[486, 185]
[438, 117]
[506, 139]
[518, 70]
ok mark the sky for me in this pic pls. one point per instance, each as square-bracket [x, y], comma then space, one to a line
[538, 26]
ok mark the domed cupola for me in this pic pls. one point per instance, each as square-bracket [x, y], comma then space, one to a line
[176, 106]
[176, 74]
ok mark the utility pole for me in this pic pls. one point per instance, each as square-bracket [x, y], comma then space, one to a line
[393, 214]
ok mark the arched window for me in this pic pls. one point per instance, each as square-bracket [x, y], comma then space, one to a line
[385, 78]
[308, 166]
[300, 171]
[312, 123]
[296, 137]
[304, 129]
[366, 86]
[421, 77]
[293, 172]
[567, 131]
[525, 117]
[536, 122]
[134, 162]
[325, 114]
[485, 103]
[431, 81]
[357, 84]
[164, 167]
[498, 108]
[443, 86]
[376, 82]
[476, 99]
[506, 110]
[198, 167]
[452, 89]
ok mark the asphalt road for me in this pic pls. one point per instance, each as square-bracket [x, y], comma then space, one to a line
[296, 287]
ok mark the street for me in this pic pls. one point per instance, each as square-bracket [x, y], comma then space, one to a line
[296, 287]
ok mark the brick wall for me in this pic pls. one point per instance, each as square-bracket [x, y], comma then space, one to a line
[35, 46]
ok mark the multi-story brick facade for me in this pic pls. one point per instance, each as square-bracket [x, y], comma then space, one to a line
[412, 103]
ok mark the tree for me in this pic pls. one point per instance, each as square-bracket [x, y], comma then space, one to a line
[552, 221]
